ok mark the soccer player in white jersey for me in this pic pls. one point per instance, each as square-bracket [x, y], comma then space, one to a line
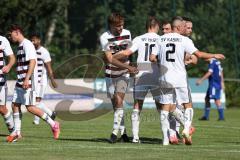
[173, 75]
[44, 70]
[24, 92]
[147, 78]
[112, 41]
[189, 59]
[5, 51]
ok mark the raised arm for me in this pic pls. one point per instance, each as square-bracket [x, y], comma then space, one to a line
[205, 55]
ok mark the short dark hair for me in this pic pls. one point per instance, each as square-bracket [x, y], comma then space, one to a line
[115, 18]
[187, 19]
[37, 35]
[152, 22]
[164, 22]
[15, 27]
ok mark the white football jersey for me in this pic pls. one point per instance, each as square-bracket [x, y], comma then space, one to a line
[43, 57]
[116, 43]
[172, 47]
[144, 45]
[5, 50]
[26, 52]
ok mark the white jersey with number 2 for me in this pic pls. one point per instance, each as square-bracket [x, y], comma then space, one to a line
[171, 52]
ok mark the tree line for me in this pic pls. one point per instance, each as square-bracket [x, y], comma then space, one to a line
[71, 28]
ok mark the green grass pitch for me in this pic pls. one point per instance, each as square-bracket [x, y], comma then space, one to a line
[87, 140]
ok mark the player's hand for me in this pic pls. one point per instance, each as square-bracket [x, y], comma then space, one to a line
[132, 70]
[54, 84]
[198, 82]
[25, 83]
[219, 56]
[5, 69]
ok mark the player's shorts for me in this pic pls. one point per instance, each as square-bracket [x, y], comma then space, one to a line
[115, 85]
[3, 95]
[24, 97]
[144, 84]
[213, 93]
[175, 95]
[40, 90]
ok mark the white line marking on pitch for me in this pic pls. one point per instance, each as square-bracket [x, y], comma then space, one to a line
[190, 148]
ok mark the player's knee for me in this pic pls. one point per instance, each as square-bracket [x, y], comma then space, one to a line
[3, 110]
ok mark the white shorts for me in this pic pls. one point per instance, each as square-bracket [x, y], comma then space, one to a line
[3, 95]
[144, 84]
[114, 85]
[40, 90]
[24, 97]
[175, 95]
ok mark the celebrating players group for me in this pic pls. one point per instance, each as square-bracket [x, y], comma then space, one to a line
[160, 69]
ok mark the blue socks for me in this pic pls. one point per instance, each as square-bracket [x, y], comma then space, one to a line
[206, 113]
[220, 112]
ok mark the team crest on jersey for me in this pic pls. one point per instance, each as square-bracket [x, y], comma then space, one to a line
[116, 47]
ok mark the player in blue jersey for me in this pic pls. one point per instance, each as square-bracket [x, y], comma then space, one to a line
[215, 85]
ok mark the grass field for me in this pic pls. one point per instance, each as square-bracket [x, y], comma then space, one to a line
[88, 140]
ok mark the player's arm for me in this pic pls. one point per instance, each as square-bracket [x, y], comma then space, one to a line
[129, 51]
[11, 62]
[222, 81]
[32, 63]
[205, 55]
[110, 59]
[123, 54]
[199, 81]
[50, 73]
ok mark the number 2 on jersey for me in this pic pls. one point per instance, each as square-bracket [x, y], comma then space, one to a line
[148, 50]
[170, 51]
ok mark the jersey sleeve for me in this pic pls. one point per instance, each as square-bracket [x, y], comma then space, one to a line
[30, 51]
[104, 42]
[7, 48]
[189, 46]
[46, 56]
[211, 66]
[130, 36]
[135, 44]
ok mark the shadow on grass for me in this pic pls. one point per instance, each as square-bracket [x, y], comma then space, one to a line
[144, 140]
[4, 135]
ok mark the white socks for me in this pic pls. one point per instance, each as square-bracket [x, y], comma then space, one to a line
[188, 115]
[8, 118]
[178, 114]
[135, 123]
[118, 119]
[45, 109]
[165, 126]
[17, 118]
[122, 126]
[48, 119]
